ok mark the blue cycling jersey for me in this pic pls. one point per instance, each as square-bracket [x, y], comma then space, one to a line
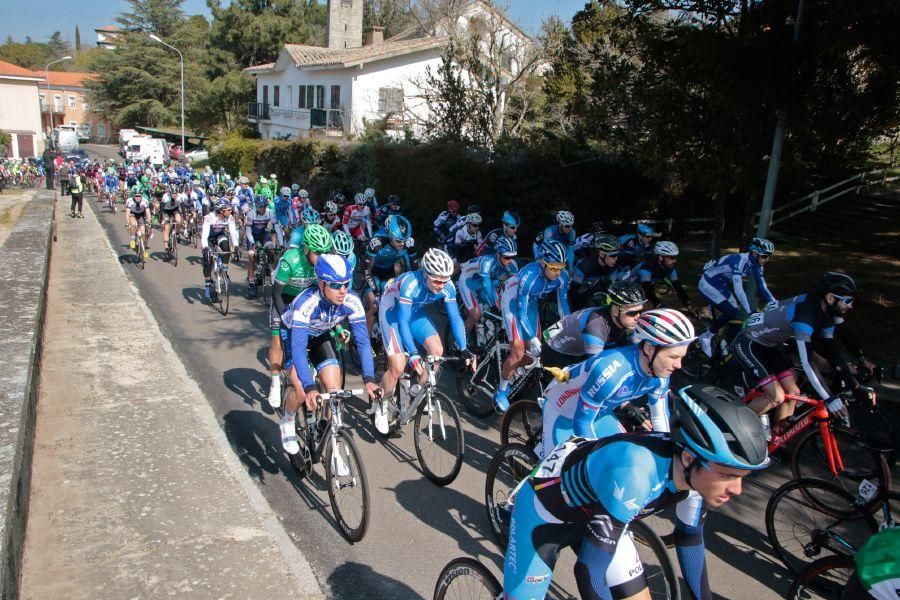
[111, 181]
[727, 275]
[310, 315]
[283, 208]
[529, 286]
[482, 276]
[407, 295]
[383, 255]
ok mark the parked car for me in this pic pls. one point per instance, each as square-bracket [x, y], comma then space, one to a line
[198, 154]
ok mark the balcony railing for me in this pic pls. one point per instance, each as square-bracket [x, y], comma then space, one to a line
[56, 109]
[258, 111]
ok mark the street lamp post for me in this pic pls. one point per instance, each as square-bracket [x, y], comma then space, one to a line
[47, 79]
[155, 38]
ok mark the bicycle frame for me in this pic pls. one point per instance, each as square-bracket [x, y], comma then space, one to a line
[819, 416]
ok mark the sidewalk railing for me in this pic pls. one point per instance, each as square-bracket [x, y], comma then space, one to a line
[815, 199]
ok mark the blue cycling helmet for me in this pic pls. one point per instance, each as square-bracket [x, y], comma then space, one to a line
[762, 246]
[333, 268]
[644, 229]
[506, 246]
[309, 216]
[511, 219]
[260, 201]
[222, 205]
[553, 252]
[716, 427]
[398, 228]
[296, 238]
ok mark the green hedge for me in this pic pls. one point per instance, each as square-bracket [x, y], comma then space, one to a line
[426, 176]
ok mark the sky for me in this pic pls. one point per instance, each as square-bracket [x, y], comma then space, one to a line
[40, 18]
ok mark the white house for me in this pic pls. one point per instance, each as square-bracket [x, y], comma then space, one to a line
[335, 90]
[20, 113]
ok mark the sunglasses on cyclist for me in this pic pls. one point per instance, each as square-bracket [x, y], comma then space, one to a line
[555, 267]
[335, 285]
[438, 280]
[633, 313]
[848, 300]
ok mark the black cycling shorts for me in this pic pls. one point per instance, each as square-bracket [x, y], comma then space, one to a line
[758, 361]
[320, 350]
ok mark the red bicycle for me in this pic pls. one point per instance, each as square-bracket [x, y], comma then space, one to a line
[826, 448]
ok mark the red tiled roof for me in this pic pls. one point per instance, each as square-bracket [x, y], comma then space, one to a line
[109, 28]
[69, 79]
[16, 71]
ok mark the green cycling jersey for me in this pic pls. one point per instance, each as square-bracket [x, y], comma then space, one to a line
[877, 562]
[295, 272]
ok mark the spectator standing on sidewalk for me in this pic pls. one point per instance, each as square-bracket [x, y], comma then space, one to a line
[64, 179]
[76, 186]
[49, 167]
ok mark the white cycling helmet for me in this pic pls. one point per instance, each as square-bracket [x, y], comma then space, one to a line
[369, 193]
[564, 217]
[285, 191]
[331, 208]
[762, 246]
[473, 219]
[437, 263]
[665, 249]
[303, 194]
[359, 199]
[664, 327]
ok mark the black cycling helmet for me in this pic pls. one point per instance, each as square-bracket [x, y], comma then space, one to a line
[716, 427]
[834, 282]
[605, 243]
[625, 293]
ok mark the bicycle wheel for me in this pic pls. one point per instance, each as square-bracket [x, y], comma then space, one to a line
[195, 236]
[522, 423]
[658, 568]
[879, 426]
[173, 241]
[512, 463]
[223, 296]
[466, 579]
[439, 439]
[860, 461]
[800, 531]
[348, 488]
[140, 252]
[824, 578]
[302, 461]
[476, 389]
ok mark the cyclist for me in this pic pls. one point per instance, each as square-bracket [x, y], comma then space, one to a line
[342, 244]
[245, 194]
[589, 331]
[330, 220]
[170, 212]
[446, 221]
[306, 330]
[722, 286]
[137, 214]
[260, 224]
[563, 232]
[390, 252]
[481, 277]
[583, 245]
[282, 213]
[111, 184]
[586, 492]
[358, 219]
[877, 574]
[391, 207]
[633, 247]
[591, 274]
[467, 239]
[371, 200]
[294, 274]
[584, 405]
[509, 226]
[218, 228]
[759, 347]
[660, 267]
[519, 304]
[406, 326]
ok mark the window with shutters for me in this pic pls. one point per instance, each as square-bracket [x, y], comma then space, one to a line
[390, 101]
[275, 95]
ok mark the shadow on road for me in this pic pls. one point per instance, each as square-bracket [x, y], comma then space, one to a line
[347, 580]
[250, 385]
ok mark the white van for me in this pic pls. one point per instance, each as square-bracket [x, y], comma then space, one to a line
[124, 136]
[65, 138]
[147, 148]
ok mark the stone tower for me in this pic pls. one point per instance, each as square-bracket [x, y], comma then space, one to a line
[345, 23]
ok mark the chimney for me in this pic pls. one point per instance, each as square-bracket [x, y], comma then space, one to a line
[375, 36]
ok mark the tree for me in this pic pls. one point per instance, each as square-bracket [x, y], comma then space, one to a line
[393, 15]
[453, 110]
[57, 46]
[161, 17]
[28, 55]
[77, 39]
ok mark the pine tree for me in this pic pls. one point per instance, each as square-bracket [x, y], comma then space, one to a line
[77, 39]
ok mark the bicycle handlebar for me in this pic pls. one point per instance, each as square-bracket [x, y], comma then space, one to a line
[341, 394]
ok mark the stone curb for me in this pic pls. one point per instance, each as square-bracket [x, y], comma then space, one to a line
[24, 270]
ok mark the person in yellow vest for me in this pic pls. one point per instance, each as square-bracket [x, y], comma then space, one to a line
[76, 187]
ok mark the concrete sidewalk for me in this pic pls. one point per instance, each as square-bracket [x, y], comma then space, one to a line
[135, 491]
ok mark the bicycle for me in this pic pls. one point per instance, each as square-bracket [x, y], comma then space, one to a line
[111, 201]
[221, 282]
[327, 440]
[172, 246]
[524, 419]
[438, 429]
[476, 389]
[807, 517]
[139, 247]
[823, 578]
[262, 274]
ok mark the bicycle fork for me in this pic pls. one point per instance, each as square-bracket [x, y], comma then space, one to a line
[832, 453]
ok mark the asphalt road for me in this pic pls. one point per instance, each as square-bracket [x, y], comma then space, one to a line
[416, 527]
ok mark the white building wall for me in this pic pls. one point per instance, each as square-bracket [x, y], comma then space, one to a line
[20, 109]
